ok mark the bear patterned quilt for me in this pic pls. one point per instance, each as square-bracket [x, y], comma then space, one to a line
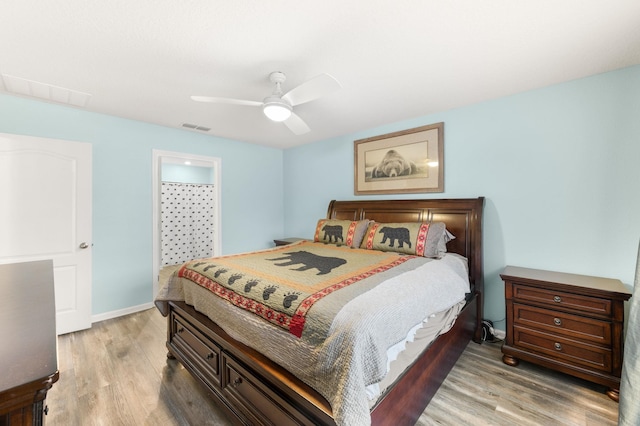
[295, 287]
[349, 306]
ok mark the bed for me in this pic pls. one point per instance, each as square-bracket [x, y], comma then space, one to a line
[255, 389]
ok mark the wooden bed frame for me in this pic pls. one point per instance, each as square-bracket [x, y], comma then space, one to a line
[255, 390]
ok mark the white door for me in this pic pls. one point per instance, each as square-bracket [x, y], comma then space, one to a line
[45, 213]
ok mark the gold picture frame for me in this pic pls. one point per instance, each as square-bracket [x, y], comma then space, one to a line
[404, 162]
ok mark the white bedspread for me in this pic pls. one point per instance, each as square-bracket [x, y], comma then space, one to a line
[355, 353]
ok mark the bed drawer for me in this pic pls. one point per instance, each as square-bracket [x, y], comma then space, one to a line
[561, 323]
[561, 300]
[258, 403]
[196, 348]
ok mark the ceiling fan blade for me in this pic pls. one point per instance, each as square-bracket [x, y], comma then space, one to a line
[312, 89]
[296, 124]
[225, 100]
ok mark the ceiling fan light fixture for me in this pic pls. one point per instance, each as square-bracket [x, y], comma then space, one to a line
[276, 109]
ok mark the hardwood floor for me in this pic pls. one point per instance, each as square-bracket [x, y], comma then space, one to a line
[117, 373]
[482, 390]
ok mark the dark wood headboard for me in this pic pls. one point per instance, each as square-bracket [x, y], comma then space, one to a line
[463, 217]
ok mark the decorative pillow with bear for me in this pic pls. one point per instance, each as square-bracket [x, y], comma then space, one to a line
[340, 232]
[421, 239]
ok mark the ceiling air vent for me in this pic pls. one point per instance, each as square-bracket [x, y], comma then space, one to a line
[48, 92]
[196, 127]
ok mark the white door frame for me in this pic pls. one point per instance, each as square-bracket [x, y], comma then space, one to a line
[167, 157]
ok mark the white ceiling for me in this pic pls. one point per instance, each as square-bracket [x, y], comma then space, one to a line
[396, 60]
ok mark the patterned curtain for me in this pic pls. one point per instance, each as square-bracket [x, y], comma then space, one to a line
[187, 222]
[629, 409]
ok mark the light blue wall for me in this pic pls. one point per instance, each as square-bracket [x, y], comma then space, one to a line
[559, 167]
[187, 174]
[122, 227]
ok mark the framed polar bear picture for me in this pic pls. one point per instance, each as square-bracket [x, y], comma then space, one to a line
[408, 161]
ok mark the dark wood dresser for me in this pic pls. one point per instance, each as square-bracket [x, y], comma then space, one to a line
[570, 323]
[28, 348]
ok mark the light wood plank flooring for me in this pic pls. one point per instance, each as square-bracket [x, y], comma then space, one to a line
[117, 373]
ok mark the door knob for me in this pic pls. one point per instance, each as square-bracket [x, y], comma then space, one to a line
[84, 245]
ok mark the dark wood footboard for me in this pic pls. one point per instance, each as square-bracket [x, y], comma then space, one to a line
[254, 390]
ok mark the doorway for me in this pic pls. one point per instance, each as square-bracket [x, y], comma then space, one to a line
[198, 178]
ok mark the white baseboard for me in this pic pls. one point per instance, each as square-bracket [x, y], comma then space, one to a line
[121, 312]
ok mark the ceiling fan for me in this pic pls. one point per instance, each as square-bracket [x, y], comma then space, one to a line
[278, 106]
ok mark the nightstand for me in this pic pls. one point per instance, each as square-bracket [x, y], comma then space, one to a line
[566, 322]
[286, 241]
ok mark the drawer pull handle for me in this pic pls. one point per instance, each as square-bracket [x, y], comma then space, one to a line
[181, 330]
[237, 382]
[557, 321]
[558, 346]
[210, 355]
[557, 299]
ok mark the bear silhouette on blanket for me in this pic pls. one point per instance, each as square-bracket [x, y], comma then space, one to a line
[324, 264]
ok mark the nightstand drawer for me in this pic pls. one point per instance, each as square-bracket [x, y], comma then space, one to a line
[592, 357]
[196, 348]
[572, 326]
[561, 300]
